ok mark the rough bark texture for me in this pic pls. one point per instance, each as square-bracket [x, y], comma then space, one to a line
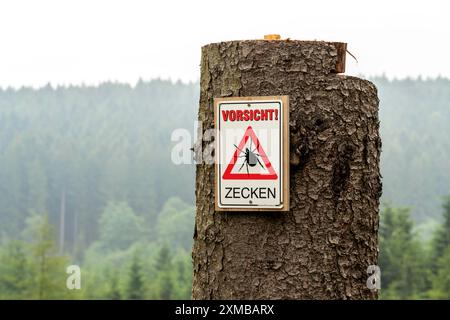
[322, 247]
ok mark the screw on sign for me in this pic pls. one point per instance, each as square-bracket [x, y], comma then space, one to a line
[252, 153]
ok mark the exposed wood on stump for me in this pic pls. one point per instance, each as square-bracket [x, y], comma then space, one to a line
[322, 247]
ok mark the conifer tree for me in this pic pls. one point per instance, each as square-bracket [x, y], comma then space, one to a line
[135, 288]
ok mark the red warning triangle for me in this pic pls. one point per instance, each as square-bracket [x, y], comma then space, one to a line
[249, 133]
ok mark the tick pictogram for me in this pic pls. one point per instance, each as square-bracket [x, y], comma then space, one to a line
[250, 157]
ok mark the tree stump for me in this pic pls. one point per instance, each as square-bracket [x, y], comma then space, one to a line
[322, 247]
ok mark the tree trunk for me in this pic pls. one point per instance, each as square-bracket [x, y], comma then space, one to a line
[62, 221]
[322, 247]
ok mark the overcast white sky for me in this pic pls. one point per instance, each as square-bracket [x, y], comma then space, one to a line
[90, 41]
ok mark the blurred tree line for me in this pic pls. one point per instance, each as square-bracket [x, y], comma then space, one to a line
[86, 178]
[411, 268]
[415, 131]
[124, 263]
[90, 169]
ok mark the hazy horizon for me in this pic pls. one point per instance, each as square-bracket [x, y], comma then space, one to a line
[84, 42]
[187, 82]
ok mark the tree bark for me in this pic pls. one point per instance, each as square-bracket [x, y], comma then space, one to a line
[322, 247]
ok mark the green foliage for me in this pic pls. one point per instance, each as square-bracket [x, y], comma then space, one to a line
[49, 268]
[15, 278]
[411, 269]
[173, 275]
[135, 287]
[441, 238]
[182, 265]
[114, 292]
[141, 269]
[129, 214]
[120, 227]
[31, 269]
[441, 278]
[166, 287]
[163, 259]
[401, 256]
[105, 144]
[440, 257]
[175, 224]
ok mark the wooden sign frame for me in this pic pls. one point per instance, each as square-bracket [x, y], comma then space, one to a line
[284, 150]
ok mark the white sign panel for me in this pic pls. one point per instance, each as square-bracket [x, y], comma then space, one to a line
[252, 153]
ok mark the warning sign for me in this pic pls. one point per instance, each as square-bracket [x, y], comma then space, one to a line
[251, 158]
[252, 153]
